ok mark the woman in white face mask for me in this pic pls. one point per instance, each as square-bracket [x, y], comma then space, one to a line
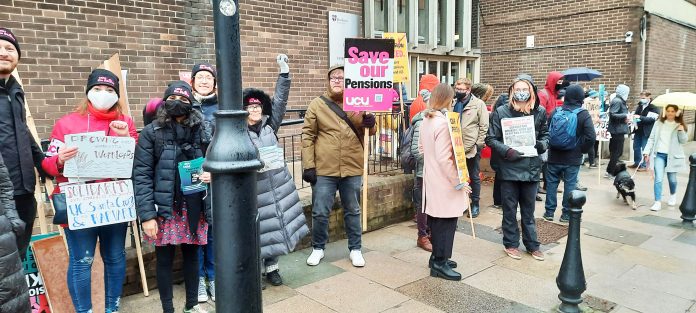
[100, 112]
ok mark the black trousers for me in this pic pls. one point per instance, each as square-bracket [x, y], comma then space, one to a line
[165, 261]
[26, 209]
[442, 236]
[524, 194]
[472, 166]
[616, 146]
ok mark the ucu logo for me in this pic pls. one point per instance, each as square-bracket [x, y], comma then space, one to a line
[103, 79]
[181, 91]
[358, 101]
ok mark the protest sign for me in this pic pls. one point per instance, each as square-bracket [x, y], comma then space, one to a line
[369, 74]
[189, 173]
[37, 291]
[401, 62]
[272, 158]
[185, 76]
[100, 156]
[519, 134]
[97, 204]
[601, 127]
[455, 130]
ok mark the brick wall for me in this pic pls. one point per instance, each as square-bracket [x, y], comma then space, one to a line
[566, 35]
[63, 40]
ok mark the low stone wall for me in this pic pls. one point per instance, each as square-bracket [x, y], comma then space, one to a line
[389, 202]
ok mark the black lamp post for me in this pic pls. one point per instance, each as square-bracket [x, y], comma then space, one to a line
[232, 160]
[688, 205]
[571, 277]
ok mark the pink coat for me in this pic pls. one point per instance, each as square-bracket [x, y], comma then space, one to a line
[440, 197]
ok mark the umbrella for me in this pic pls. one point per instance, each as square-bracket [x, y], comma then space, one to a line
[685, 100]
[581, 74]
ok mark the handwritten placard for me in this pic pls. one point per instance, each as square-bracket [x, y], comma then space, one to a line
[100, 156]
[401, 61]
[369, 74]
[97, 204]
[455, 130]
[272, 158]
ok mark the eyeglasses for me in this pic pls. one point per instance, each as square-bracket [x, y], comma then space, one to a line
[336, 79]
[206, 78]
[253, 107]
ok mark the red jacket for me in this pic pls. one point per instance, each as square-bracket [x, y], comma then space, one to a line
[75, 123]
[548, 95]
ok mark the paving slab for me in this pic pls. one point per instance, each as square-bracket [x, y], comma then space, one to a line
[296, 272]
[671, 248]
[615, 234]
[639, 297]
[274, 294]
[348, 292]
[387, 242]
[547, 270]
[516, 286]
[477, 248]
[644, 228]
[687, 238]
[678, 285]
[297, 304]
[451, 296]
[386, 270]
[469, 266]
[655, 260]
[623, 309]
[408, 230]
[413, 306]
[140, 303]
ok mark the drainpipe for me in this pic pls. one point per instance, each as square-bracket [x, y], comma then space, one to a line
[644, 41]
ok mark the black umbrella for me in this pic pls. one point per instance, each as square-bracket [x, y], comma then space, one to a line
[581, 74]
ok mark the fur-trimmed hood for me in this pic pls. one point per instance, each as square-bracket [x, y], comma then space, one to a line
[266, 102]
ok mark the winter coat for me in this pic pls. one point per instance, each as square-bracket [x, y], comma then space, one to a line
[154, 176]
[676, 158]
[282, 222]
[584, 131]
[28, 154]
[618, 112]
[417, 123]
[329, 145]
[526, 169]
[75, 123]
[474, 120]
[207, 105]
[14, 295]
[440, 199]
[645, 126]
[548, 95]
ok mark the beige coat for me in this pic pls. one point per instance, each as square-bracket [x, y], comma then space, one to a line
[474, 120]
[329, 145]
[440, 197]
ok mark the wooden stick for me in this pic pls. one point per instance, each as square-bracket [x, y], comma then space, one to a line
[599, 163]
[471, 220]
[41, 207]
[401, 99]
[139, 252]
[366, 145]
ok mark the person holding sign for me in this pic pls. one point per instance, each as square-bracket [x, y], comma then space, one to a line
[332, 159]
[282, 221]
[519, 172]
[100, 113]
[443, 191]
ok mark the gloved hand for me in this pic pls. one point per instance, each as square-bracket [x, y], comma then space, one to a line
[310, 175]
[368, 121]
[282, 60]
[513, 155]
[540, 147]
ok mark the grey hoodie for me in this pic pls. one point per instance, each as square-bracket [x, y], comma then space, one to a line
[618, 111]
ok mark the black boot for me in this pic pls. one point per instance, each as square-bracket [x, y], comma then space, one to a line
[274, 278]
[474, 212]
[441, 269]
[452, 264]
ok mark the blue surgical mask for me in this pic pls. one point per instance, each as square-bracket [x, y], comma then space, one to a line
[643, 101]
[521, 95]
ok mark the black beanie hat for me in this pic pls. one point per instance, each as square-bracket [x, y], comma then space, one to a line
[178, 88]
[203, 67]
[102, 77]
[6, 34]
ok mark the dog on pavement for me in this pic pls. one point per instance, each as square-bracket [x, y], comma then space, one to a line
[625, 186]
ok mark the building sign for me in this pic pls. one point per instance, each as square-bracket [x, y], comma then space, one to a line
[341, 26]
[369, 75]
[401, 63]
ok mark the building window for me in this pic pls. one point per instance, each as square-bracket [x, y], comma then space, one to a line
[441, 22]
[423, 21]
[402, 19]
[475, 18]
[458, 23]
[380, 17]
[470, 69]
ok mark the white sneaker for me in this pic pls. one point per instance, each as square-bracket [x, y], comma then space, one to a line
[195, 309]
[202, 292]
[356, 258]
[212, 290]
[657, 206]
[315, 257]
[672, 200]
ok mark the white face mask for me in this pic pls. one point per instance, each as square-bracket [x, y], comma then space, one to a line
[102, 100]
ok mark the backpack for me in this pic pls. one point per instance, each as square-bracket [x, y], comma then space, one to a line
[563, 129]
[408, 160]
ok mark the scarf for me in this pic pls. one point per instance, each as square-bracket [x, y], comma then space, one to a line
[184, 140]
[110, 115]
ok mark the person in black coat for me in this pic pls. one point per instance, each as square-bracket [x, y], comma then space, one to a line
[644, 125]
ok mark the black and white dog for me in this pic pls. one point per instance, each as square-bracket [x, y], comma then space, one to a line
[625, 186]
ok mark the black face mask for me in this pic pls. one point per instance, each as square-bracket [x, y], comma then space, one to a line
[177, 108]
[460, 96]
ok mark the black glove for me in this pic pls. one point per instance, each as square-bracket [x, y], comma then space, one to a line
[540, 147]
[513, 155]
[310, 175]
[368, 121]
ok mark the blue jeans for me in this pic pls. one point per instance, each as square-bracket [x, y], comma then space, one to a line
[556, 173]
[639, 142]
[660, 164]
[206, 258]
[323, 195]
[81, 246]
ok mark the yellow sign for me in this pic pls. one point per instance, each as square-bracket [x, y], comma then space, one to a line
[455, 130]
[401, 72]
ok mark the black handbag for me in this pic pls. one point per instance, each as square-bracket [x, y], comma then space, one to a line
[61, 209]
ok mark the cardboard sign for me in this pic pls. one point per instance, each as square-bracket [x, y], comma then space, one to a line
[100, 156]
[369, 74]
[401, 62]
[519, 134]
[97, 204]
[455, 130]
[189, 174]
[37, 291]
[185, 76]
[602, 127]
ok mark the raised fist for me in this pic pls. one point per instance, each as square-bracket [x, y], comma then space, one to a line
[282, 60]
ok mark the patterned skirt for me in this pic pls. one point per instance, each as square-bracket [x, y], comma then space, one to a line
[175, 230]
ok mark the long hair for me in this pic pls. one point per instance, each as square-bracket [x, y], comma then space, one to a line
[441, 98]
[679, 118]
[525, 107]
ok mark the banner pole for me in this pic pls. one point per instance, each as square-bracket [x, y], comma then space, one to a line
[139, 252]
[471, 220]
[401, 98]
[366, 145]
[599, 164]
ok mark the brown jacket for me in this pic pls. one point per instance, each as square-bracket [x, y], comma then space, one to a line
[329, 145]
[474, 120]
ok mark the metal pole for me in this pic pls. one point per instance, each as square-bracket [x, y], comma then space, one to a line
[232, 160]
[571, 277]
[688, 205]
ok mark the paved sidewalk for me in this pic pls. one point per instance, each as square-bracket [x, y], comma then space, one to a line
[634, 261]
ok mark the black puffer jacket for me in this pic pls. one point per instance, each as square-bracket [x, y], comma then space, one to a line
[14, 295]
[155, 166]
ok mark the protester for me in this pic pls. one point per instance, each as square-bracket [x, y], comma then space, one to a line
[204, 87]
[549, 95]
[444, 194]
[150, 110]
[482, 91]
[474, 122]
[19, 149]
[644, 124]
[282, 222]
[427, 82]
[169, 217]
[618, 126]
[565, 156]
[519, 173]
[100, 112]
[332, 159]
[592, 105]
[665, 153]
